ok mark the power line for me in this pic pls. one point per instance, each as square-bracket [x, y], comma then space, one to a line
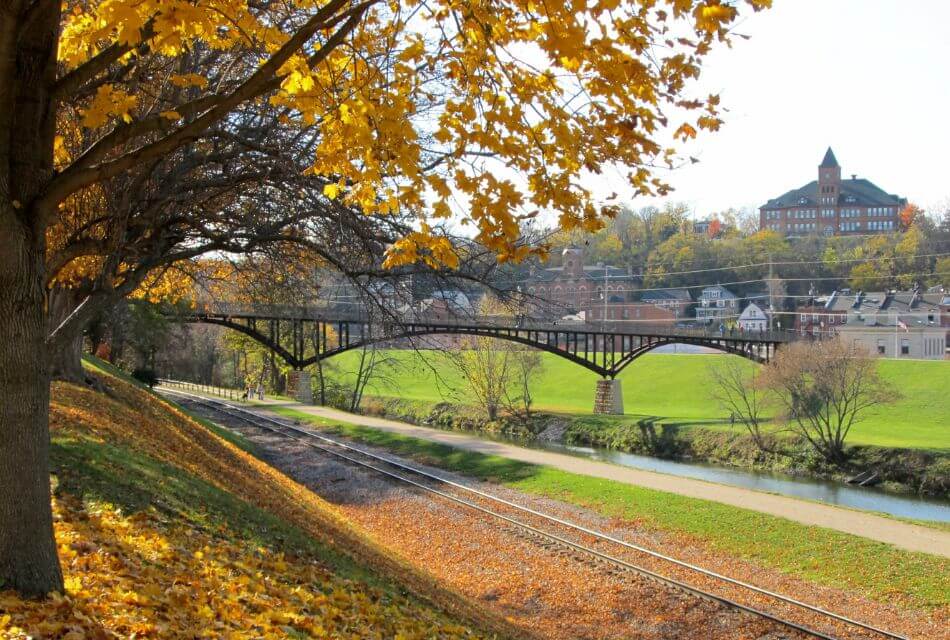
[747, 282]
[766, 264]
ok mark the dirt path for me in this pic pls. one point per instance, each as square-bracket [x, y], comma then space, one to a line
[868, 525]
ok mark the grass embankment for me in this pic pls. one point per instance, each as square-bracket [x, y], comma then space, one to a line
[820, 555]
[167, 530]
[675, 390]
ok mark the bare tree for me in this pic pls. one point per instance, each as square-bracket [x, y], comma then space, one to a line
[485, 366]
[825, 388]
[374, 365]
[526, 365]
[739, 390]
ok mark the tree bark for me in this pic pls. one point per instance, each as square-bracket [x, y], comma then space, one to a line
[28, 561]
[65, 354]
[28, 44]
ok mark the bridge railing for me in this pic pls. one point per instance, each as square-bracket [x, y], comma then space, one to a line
[520, 323]
[208, 389]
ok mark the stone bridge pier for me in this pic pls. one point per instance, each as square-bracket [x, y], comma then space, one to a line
[298, 386]
[608, 398]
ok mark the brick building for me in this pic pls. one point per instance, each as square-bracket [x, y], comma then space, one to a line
[576, 286]
[832, 206]
[892, 324]
[627, 315]
[678, 301]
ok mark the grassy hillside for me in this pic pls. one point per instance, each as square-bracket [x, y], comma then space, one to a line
[675, 388]
[167, 530]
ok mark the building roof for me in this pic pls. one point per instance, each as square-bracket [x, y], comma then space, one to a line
[829, 161]
[724, 294]
[681, 295]
[885, 308]
[853, 191]
[858, 302]
[454, 297]
[752, 311]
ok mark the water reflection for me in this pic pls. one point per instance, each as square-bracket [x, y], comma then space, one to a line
[837, 493]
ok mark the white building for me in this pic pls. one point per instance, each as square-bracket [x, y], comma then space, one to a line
[716, 304]
[923, 342]
[753, 318]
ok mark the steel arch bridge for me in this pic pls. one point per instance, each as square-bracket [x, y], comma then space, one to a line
[315, 336]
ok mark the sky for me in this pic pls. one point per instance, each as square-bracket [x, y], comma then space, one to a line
[870, 78]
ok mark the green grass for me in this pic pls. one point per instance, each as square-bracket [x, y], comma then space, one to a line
[96, 364]
[676, 389]
[100, 472]
[821, 555]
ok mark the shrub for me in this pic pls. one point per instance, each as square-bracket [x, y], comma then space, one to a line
[146, 377]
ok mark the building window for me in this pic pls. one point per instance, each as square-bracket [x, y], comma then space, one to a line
[881, 347]
[905, 346]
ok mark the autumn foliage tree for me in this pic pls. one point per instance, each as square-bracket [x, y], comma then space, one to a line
[908, 215]
[402, 107]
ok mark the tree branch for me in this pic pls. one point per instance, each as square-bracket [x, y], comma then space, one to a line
[262, 80]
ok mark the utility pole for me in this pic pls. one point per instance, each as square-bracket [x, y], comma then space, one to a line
[771, 289]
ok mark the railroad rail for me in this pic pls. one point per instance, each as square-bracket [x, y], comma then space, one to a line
[371, 461]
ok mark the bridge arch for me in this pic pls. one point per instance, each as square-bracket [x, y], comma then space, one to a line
[629, 357]
[617, 350]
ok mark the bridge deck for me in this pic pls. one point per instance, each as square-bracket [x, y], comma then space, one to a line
[304, 335]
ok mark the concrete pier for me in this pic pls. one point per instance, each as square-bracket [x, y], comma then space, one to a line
[608, 399]
[298, 386]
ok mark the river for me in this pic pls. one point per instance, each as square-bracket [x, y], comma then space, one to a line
[828, 491]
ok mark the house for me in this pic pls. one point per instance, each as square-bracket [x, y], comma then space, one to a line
[716, 304]
[898, 341]
[821, 313]
[629, 315]
[945, 314]
[575, 285]
[894, 324]
[675, 300]
[753, 318]
[832, 206]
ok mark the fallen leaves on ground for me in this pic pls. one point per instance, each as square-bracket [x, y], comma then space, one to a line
[148, 575]
[147, 424]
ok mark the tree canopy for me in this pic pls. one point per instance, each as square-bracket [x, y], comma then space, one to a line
[135, 135]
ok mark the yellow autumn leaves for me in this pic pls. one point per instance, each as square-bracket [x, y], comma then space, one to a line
[510, 103]
[150, 576]
[109, 101]
[187, 571]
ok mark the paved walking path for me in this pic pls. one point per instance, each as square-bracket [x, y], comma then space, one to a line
[868, 525]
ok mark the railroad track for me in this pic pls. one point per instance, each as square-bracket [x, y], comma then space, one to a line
[536, 526]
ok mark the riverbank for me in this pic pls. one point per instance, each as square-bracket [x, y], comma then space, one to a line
[919, 471]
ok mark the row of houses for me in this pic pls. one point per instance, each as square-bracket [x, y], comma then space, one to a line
[604, 293]
[913, 324]
[908, 324]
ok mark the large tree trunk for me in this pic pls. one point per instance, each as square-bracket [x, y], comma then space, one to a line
[28, 43]
[65, 354]
[28, 561]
